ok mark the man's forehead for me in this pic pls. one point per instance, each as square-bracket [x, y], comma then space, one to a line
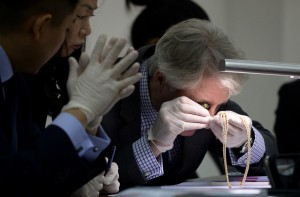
[88, 5]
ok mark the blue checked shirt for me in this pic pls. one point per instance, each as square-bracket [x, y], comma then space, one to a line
[152, 167]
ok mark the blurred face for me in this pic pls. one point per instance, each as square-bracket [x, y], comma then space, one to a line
[80, 28]
[46, 45]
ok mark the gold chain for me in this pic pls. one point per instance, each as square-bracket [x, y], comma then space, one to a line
[224, 121]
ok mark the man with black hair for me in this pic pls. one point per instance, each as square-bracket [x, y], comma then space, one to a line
[61, 158]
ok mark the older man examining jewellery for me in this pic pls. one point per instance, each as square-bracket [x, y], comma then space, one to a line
[165, 128]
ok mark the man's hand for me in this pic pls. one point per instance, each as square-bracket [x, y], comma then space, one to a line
[237, 134]
[107, 184]
[92, 188]
[174, 117]
[96, 87]
[111, 182]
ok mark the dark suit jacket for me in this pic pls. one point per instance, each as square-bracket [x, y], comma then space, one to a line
[287, 118]
[45, 162]
[123, 125]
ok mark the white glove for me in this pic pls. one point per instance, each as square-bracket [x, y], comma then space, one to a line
[174, 117]
[83, 62]
[107, 184]
[237, 134]
[111, 182]
[97, 87]
[92, 188]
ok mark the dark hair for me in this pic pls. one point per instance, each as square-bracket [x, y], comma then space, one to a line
[48, 88]
[14, 13]
[159, 15]
[55, 75]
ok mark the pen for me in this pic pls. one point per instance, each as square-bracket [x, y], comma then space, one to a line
[110, 160]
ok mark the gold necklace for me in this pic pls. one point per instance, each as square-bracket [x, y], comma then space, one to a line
[224, 121]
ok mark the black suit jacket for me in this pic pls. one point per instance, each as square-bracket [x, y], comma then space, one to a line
[45, 162]
[287, 118]
[123, 125]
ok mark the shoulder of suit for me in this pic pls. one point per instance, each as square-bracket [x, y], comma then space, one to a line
[145, 52]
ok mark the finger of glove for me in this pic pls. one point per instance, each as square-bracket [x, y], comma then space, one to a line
[73, 74]
[186, 122]
[234, 119]
[188, 117]
[132, 70]
[129, 50]
[186, 112]
[112, 188]
[216, 129]
[88, 190]
[94, 192]
[126, 91]
[83, 62]
[128, 81]
[81, 192]
[112, 174]
[113, 54]
[96, 183]
[235, 141]
[107, 48]
[191, 106]
[73, 65]
[112, 180]
[234, 136]
[123, 93]
[125, 63]
[98, 48]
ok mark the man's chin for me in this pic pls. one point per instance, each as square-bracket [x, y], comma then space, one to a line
[187, 133]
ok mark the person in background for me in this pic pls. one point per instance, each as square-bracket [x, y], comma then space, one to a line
[286, 122]
[48, 87]
[158, 16]
[61, 158]
[49, 92]
[165, 128]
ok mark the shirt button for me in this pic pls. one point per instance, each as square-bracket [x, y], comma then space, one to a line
[146, 174]
[95, 149]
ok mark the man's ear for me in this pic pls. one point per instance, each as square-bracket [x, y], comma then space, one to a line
[159, 77]
[40, 24]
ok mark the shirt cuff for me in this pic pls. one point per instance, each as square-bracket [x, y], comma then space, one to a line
[258, 150]
[88, 147]
[100, 142]
[146, 160]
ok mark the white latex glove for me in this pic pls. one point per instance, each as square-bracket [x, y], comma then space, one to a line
[92, 127]
[174, 117]
[107, 184]
[103, 82]
[237, 134]
[111, 182]
[92, 188]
